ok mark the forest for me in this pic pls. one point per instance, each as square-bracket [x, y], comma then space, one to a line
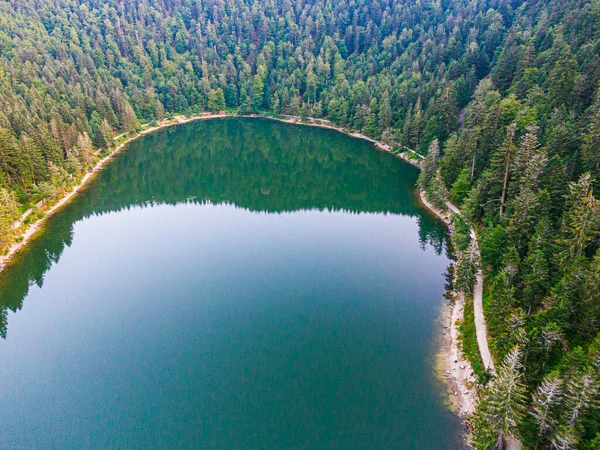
[502, 96]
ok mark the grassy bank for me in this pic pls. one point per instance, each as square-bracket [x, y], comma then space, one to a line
[468, 338]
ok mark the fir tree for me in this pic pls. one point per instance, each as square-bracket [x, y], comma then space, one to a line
[546, 402]
[504, 155]
[582, 220]
[429, 165]
[437, 193]
[216, 100]
[591, 139]
[8, 214]
[461, 187]
[385, 113]
[502, 407]
[467, 268]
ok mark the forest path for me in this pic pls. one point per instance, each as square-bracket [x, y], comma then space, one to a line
[480, 324]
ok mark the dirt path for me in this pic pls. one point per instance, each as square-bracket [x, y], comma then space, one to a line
[480, 324]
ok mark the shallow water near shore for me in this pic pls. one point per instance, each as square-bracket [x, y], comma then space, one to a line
[233, 283]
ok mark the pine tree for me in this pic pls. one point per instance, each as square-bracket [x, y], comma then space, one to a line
[581, 222]
[85, 150]
[98, 137]
[446, 112]
[73, 163]
[452, 162]
[564, 438]
[461, 236]
[12, 160]
[504, 155]
[461, 187]
[160, 110]
[501, 305]
[429, 166]
[416, 126]
[562, 77]
[216, 100]
[437, 192]
[493, 244]
[546, 402]
[523, 216]
[473, 206]
[589, 152]
[36, 157]
[594, 355]
[529, 164]
[588, 313]
[258, 87]
[107, 132]
[406, 129]
[129, 121]
[528, 158]
[503, 405]
[467, 268]
[311, 88]
[370, 127]
[385, 112]
[536, 279]
[581, 395]
[8, 214]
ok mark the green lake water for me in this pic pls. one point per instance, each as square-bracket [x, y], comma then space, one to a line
[230, 284]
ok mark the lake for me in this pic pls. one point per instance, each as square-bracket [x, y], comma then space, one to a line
[230, 284]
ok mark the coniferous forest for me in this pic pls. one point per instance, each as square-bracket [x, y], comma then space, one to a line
[502, 96]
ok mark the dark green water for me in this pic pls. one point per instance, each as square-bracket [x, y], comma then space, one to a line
[230, 284]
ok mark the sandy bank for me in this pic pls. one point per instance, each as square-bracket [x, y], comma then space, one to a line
[457, 370]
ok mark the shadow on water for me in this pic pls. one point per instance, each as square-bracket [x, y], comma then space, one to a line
[271, 168]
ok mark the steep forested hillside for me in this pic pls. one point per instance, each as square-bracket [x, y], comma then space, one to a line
[503, 96]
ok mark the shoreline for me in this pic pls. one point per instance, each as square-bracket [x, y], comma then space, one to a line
[454, 370]
[324, 123]
[33, 228]
[457, 371]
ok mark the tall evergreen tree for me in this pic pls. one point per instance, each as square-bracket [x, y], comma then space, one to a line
[503, 405]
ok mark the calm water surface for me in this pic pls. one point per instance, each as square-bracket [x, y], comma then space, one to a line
[230, 284]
